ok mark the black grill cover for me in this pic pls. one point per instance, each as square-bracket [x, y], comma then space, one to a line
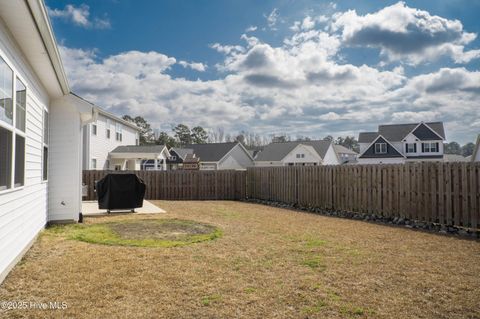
[120, 191]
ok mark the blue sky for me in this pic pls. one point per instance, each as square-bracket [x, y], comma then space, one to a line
[304, 67]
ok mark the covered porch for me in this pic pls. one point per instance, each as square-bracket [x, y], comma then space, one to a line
[139, 158]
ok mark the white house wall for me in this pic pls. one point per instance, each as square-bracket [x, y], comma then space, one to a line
[311, 156]
[23, 211]
[268, 163]
[98, 146]
[331, 157]
[65, 150]
[396, 160]
[236, 159]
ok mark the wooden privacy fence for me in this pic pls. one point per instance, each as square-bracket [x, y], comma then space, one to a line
[446, 193]
[181, 185]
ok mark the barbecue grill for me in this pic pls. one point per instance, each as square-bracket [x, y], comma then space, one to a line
[120, 192]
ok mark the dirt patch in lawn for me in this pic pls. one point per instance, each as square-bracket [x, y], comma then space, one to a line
[166, 229]
[140, 233]
[268, 263]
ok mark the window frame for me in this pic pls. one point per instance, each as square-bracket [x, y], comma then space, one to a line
[45, 143]
[14, 131]
[93, 160]
[414, 148]
[94, 129]
[118, 132]
[381, 145]
[430, 147]
[108, 133]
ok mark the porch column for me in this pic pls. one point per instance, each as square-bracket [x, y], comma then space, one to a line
[156, 164]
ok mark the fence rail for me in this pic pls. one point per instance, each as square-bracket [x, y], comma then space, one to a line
[446, 193]
[181, 185]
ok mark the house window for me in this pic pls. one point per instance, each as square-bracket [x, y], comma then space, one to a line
[300, 155]
[118, 167]
[20, 105]
[94, 163]
[12, 129]
[118, 132]
[6, 93]
[94, 129]
[173, 158]
[430, 147]
[411, 147]
[45, 145]
[380, 148]
[107, 132]
[5, 158]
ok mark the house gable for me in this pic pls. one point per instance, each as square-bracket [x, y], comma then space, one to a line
[237, 158]
[391, 150]
[308, 151]
[423, 133]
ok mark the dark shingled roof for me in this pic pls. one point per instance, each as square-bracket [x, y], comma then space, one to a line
[397, 132]
[182, 152]
[367, 137]
[277, 151]
[212, 152]
[153, 149]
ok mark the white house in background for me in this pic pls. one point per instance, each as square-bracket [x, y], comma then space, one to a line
[345, 155]
[476, 152]
[455, 158]
[139, 157]
[40, 131]
[400, 143]
[298, 153]
[221, 156]
[103, 136]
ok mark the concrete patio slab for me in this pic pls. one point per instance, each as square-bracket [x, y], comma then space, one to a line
[90, 208]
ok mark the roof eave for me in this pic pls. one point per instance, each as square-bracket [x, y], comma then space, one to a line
[39, 13]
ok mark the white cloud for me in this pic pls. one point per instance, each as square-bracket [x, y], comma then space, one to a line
[197, 66]
[79, 16]
[251, 28]
[227, 49]
[306, 24]
[299, 87]
[412, 117]
[272, 19]
[407, 34]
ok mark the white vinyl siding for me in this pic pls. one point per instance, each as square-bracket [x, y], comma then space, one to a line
[64, 161]
[100, 145]
[238, 158]
[23, 210]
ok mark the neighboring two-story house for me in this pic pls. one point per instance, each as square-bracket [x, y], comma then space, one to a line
[103, 136]
[298, 153]
[400, 143]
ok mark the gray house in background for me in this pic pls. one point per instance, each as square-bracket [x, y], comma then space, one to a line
[400, 143]
[298, 153]
[177, 157]
[345, 155]
[221, 156]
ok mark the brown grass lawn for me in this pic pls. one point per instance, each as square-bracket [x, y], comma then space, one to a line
[269, 263]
